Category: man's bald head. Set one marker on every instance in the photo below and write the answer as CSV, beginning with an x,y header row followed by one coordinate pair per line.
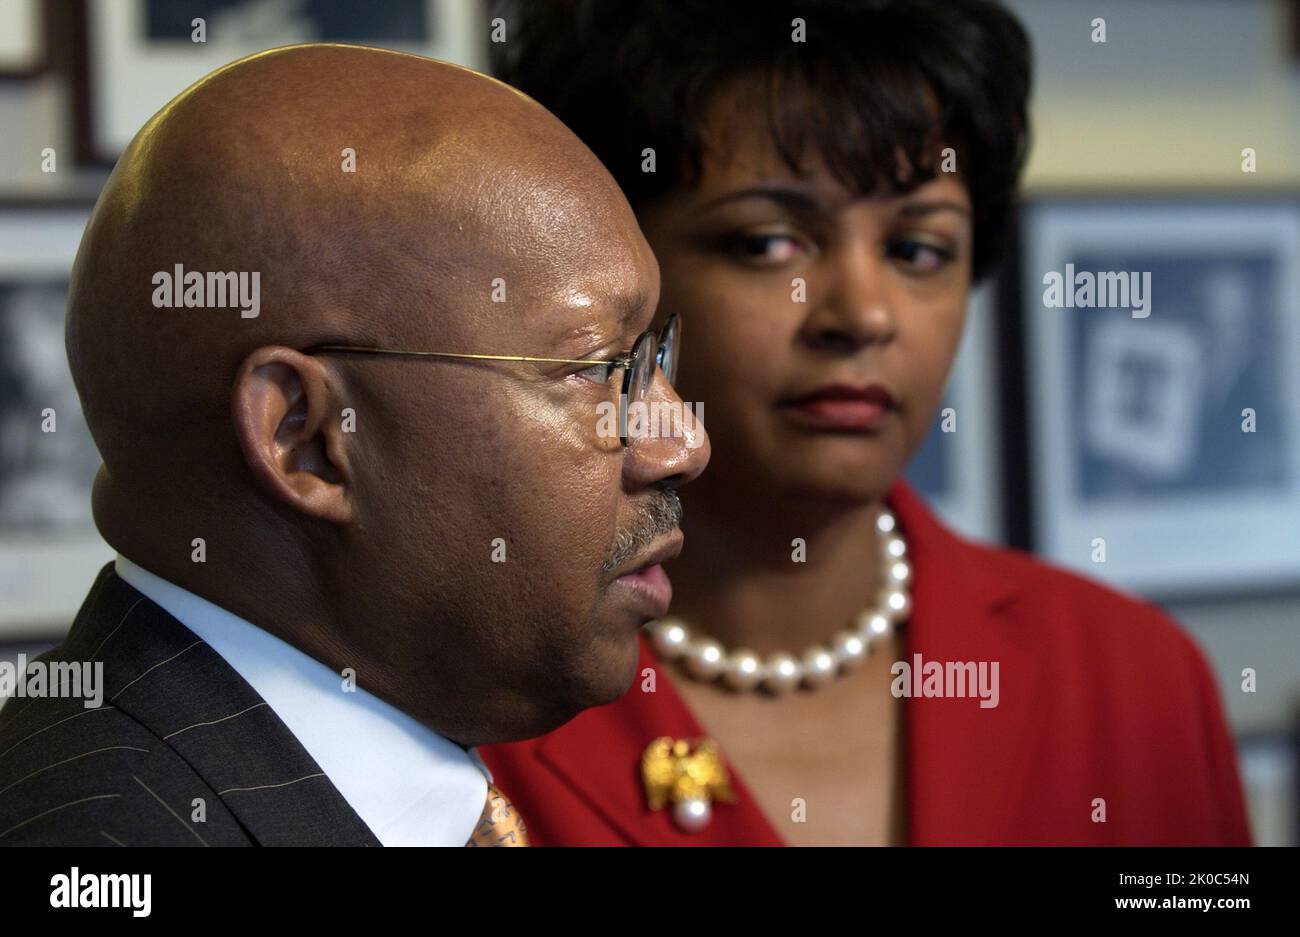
x,y
443,526
457,175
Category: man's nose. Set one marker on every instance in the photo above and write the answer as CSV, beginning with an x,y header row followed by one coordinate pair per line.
x,y
670,446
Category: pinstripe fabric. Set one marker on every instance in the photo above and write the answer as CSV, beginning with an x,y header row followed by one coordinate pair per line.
x,y
178,728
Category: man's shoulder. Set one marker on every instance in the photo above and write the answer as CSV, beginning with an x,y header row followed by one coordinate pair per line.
x,y
77,775
170,745
80,767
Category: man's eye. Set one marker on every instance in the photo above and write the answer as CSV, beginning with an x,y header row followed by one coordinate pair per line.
x,y
596,374
921,256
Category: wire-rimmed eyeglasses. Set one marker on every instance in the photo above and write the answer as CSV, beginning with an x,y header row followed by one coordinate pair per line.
x,y
649,351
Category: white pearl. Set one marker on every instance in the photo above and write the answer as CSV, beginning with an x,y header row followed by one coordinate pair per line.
x,y
899,604
781,674
819,666
873,626
895,548
692,815
704,660
743,669
885,522
850,649
900,573
670,638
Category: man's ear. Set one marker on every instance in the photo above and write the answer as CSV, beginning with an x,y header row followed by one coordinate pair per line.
x,y
288,417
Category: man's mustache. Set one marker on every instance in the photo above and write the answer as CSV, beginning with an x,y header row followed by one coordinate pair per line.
x,y
660,515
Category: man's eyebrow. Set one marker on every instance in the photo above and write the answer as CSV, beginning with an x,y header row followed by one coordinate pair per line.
x,y
630,306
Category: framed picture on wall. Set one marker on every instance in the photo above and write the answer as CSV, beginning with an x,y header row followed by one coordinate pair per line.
x,y
1163,344
22,39
142,53
49,549
957,469
1269,773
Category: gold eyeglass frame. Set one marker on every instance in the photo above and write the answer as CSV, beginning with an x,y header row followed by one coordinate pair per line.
x,y
664,343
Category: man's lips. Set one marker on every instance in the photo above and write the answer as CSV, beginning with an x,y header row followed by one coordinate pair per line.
x,y
646,583
842,407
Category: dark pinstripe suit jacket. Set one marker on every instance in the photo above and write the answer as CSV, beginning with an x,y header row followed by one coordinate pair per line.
x,y
177,726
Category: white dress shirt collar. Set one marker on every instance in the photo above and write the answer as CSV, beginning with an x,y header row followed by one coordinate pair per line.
x,y
411,786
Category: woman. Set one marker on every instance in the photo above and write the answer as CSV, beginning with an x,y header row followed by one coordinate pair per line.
x,y
821,192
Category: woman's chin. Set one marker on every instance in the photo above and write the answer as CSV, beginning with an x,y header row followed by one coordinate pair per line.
x,y
849,486
838,472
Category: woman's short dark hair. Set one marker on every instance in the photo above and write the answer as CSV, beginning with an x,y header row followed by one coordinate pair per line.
x,y
873,78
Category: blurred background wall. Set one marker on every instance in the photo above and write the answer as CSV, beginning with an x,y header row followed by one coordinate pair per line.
x,y
1161,110
1168,103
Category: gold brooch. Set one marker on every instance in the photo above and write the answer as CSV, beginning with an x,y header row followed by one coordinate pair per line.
x,y
688,779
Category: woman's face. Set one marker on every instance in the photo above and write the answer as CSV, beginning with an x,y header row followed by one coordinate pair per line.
x,y
819,327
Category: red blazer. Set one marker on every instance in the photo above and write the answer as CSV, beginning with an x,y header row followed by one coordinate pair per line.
x,y
1102,695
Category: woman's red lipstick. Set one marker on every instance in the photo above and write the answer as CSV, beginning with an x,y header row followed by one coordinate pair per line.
x,y
843,408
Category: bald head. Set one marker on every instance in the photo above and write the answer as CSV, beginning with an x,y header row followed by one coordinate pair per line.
x,y
443,526
456,176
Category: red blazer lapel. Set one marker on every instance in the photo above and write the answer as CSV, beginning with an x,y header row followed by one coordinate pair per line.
x,y
598,754
966,765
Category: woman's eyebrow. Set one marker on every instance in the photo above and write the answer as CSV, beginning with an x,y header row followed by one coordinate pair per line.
x,y
794,199
920,209
804,202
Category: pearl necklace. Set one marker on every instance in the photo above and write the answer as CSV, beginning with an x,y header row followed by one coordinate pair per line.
x,y
742,669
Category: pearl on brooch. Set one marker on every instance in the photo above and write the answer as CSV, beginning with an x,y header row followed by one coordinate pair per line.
x,y
692,815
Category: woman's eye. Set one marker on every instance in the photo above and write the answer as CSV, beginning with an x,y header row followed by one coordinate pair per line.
x,y
765,249
920,256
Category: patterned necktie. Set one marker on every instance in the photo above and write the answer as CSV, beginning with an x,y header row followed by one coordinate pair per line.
x,y
500,824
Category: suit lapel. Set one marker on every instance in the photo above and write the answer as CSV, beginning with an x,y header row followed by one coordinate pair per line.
x,y
161,674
